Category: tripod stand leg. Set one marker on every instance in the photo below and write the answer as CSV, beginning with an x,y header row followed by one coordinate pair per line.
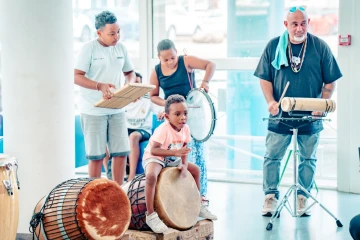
x,y
316,187
338,223
279,208
283,171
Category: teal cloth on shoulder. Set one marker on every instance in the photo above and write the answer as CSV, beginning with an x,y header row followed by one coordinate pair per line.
x,y
280,54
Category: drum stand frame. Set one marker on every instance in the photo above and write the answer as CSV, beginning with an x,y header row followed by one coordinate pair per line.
x,y
296,186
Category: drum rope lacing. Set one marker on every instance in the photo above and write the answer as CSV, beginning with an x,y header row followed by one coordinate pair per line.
x,y
57,195
137,219
34,222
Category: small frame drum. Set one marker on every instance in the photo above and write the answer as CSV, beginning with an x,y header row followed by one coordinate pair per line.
x,y
177,200
82,208
9,197
201,114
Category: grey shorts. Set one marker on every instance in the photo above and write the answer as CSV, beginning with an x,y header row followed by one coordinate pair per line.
x,y
162,163
102,131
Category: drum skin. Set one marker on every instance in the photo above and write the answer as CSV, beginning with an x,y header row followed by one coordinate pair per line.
x,y
201,114
9,205
308,104
102,211
177,200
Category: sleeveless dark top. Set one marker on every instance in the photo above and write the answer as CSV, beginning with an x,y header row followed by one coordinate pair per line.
x,y
176,83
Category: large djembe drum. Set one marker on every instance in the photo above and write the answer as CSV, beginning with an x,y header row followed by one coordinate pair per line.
x,y
9,197
177,200
82,208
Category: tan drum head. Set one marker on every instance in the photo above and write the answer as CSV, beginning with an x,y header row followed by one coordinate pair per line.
x,y
103,210
177,199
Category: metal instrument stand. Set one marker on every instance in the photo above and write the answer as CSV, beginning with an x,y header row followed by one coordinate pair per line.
x,y
296,186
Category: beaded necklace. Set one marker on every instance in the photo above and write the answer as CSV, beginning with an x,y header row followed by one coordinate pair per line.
x,y
296,67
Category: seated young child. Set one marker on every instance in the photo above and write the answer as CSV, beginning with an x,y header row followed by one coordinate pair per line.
x,y
168,148
139,124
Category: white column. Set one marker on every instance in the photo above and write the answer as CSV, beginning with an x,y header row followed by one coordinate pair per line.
x,y
145,31
37,86
348,100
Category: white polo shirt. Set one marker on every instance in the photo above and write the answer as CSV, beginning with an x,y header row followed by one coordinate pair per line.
x,y
103,65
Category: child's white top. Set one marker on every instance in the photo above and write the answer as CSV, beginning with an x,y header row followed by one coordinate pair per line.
x,y
139,114
103,65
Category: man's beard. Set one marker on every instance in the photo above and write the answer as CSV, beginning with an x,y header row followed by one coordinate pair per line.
x,y
299,39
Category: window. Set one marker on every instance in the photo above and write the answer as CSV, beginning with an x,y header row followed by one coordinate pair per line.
x,y
234,33
229,28
126,11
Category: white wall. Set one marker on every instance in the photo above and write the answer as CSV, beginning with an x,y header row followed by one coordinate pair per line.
x,y
349,99
37,86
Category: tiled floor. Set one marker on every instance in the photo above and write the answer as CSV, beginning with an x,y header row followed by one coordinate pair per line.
x,y
238,207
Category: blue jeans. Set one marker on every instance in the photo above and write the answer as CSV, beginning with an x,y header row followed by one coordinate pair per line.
x,y
276,145
197,156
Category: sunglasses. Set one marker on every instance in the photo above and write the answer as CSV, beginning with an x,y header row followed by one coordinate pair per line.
x,y
300,8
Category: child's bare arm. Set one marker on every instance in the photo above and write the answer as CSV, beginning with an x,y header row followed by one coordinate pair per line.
x,y
184,159
156,150
183,166
184,163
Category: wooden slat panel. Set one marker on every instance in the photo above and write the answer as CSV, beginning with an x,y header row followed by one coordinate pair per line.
x,y
125,95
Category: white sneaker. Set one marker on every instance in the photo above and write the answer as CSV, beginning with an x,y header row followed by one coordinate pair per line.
x,y
302,205
270,205
154,222
205,213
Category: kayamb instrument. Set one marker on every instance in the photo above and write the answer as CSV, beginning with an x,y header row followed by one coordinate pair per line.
x,y
125,95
